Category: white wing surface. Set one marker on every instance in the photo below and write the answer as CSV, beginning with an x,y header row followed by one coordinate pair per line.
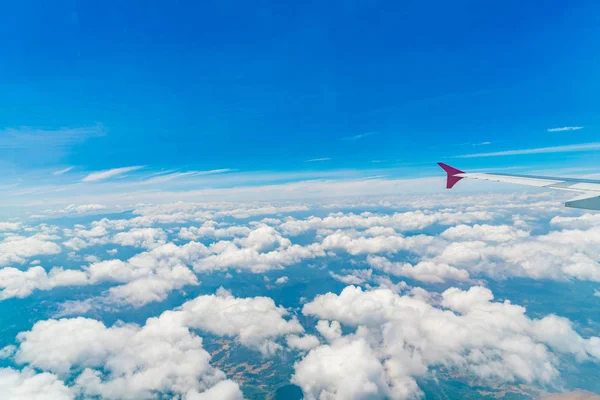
x,y
588,189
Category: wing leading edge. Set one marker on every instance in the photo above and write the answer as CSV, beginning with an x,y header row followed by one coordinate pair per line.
x,y
589,190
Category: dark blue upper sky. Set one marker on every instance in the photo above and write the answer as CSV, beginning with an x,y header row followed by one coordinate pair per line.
x,y
271,84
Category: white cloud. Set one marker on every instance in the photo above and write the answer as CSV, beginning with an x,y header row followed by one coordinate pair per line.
x,y
62,171
303,343
407,221
110,173
17,249
584,221
541,150
256,322
263,249
424,271
282,280
147,238
27,384
493,233
356,245
75,307
81,238
30,146
359,136
83,208
399,338
7,351
162,356
17,283
329,330
208,230
318,159
355,277
224,390
151,275
565,128
264,239
559,255
166,177
10,226
147,276
346,369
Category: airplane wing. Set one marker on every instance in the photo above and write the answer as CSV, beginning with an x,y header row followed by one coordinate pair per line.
x,y
588,189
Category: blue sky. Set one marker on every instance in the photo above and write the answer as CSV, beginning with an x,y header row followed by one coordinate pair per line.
x,y
203,86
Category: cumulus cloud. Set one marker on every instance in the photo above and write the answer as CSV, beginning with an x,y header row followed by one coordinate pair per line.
x,y
407,221
10,226
123,361
473,245
558,255
209,230
346,369
7,351
27,384
400,337
263,249
494,233
255,322
81,237
71,209
400,332
424,271
129,361
17,283
303,343
147,238
17,249
224,390
584,221
388,244
148,276
355,277
329,330
74,307
203,212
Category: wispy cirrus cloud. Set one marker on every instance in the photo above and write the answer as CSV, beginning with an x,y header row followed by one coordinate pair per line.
x,y
25,137
359,136
169,176
62,171
570,148
30,146
565,128
318,159
109,173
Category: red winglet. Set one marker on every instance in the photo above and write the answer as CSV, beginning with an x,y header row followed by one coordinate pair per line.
x,y
451,171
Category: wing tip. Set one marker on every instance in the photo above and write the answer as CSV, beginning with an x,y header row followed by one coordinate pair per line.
x,y
451,179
